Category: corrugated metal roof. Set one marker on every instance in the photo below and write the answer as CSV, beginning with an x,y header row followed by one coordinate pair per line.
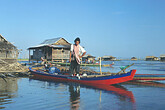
x,y
51,41
54,46
41,45
60,46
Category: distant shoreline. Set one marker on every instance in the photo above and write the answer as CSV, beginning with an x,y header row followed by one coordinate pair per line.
x,y
22,59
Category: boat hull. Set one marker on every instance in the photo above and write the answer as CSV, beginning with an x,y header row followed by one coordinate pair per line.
x,y
105,80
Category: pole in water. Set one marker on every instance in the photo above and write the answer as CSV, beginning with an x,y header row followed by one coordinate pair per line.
x,y
100,66
100,96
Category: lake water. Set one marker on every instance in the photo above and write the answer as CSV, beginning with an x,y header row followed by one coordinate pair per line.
x,y
30,94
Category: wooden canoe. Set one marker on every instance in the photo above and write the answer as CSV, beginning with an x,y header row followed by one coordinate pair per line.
x,y
94,79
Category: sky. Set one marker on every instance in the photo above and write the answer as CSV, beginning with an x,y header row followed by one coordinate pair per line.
x,y
121,28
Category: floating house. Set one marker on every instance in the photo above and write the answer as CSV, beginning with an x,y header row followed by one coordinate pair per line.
x,y
8,52
108,58
56,49
162,57
152,58
88,58
133,58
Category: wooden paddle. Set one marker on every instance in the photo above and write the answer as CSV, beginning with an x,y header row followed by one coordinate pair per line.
x,y
123,69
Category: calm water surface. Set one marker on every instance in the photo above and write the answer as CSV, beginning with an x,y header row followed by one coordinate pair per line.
x,y
30,94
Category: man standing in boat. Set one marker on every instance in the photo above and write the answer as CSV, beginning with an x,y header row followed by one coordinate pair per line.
x,y
76,53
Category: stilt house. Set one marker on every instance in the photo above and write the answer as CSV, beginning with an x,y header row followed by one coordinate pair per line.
x,y
133,58
8,52
162,57
56,49
108,58
88,58
151,58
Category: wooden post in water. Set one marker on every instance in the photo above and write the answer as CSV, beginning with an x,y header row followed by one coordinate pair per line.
x,y
29,56
52,55
100,66
100,96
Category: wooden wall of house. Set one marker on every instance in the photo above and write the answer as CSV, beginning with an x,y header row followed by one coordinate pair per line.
x,y
60,54
149,59
2,54
5,52
50,53
162,58
8,54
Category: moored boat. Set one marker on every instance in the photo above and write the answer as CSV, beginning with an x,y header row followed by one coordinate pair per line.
x,y
68,64
149,77
105,79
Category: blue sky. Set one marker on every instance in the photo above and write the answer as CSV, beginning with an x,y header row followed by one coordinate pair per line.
x,y
121,28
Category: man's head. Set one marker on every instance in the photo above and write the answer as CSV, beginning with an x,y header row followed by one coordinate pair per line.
x,y
77,41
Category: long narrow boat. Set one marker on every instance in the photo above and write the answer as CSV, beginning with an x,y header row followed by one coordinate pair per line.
x,y
68,64
149,77
91,79
83,64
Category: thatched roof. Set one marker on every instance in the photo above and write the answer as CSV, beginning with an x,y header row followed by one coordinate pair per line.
x,y
6,45
51,41
108,57
88,56
162,56
151,57
133,58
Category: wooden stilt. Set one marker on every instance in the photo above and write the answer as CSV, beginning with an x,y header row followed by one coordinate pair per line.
x,y
100,66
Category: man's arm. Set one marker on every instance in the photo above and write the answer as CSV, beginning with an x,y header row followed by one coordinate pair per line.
x,y
70,57
83,51
82,55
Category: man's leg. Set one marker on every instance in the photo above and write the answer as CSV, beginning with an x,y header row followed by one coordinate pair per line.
x,y
77,68
71,69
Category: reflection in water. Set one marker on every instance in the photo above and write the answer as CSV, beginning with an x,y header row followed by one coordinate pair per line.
x,y
122,94
146,83
118,90
7,90
74,96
